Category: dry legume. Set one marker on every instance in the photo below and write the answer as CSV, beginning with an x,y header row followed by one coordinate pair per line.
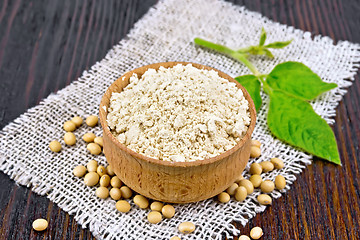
x,y
102,192
92,166
91,179
115,182
126,192
94,148
224,197
232,188
79,171
99,141
280,182
69,138
255,180
115,193
248,185
156,206
186,227
175,238
89,137
104,180
77,121
141,201
154,217
255,152
255,168
256,143
40,224
264,199
55,146
278,163
256,233
244,237
240,193
168,211
69,126
267,186
92,120
267,166
123,206
101,170
110,170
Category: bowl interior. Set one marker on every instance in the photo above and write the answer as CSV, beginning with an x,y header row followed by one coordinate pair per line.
x,y
121,82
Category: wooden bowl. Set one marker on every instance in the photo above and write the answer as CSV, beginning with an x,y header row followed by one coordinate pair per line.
x,y
174,182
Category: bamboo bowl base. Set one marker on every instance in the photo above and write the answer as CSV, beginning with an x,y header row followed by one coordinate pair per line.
x,y
174,182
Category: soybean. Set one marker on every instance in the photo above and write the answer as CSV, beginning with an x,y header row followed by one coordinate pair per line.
x,y
115,182
168,211
69,126
110,170
91,179
126,192
101,170
280,182
186,227
239,178
256,233
79,171
69,138
156,206
240,193
92,120
94,148
244,237
224,197
99,141
141,201
104,180
40,224
255,152
264,199
255,180
123,206
55,146
102,192
248,185
89,137
278,163
115,193
267,166
256,143
77,121
154,217
267,186
92,166
255,168
232,188
175,238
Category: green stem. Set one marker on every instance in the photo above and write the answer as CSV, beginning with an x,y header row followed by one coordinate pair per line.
x,y
238,55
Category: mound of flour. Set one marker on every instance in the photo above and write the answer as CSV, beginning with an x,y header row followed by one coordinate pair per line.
x,y
179,114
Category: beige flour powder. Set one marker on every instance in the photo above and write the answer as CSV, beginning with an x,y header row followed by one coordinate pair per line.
x,y
179,114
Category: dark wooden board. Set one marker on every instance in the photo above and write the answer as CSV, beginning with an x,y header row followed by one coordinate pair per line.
x,y
44,45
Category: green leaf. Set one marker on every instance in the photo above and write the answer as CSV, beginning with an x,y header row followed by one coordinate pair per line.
x,y
298,80
294,121
252,85
278,44
268,53
262,37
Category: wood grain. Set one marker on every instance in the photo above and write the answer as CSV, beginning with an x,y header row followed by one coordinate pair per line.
x,y
44,45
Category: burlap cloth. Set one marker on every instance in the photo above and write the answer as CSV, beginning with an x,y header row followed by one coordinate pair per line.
x,y
166,33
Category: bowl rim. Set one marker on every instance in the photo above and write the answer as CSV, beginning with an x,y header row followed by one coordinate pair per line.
x,y
140,71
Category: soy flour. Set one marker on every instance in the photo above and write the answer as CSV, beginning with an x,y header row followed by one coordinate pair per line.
x,y
179,114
